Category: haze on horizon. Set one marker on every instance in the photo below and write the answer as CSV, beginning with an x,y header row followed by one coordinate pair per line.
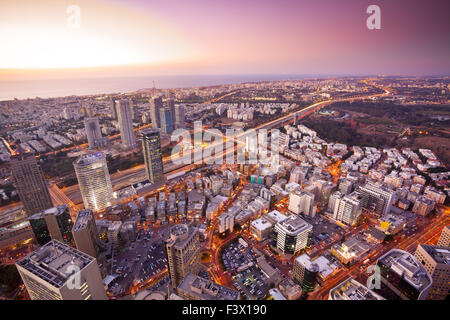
x,y
158,37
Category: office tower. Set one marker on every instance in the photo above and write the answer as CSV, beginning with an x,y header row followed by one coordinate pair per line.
x,y
183,252
301,201
444,239
305,271
194,287
291,235
348,208
403,277
351,289
151,147
436,261
165,116
170,104
376,198
30,183
113,108
93,133
54,223
47,274
93,180
85,233
125,118
155,106
179,117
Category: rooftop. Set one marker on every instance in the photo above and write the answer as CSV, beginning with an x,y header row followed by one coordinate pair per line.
x,y
439,254
294,225
83,217
89,158
408,267
53,261
351,289
206,289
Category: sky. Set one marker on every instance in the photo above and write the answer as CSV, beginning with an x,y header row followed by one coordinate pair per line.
x,y
182,37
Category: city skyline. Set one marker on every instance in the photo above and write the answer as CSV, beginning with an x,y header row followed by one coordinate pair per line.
x,y
222,38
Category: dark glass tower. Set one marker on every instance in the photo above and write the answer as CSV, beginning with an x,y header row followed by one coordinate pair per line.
x,y
151,147
30,182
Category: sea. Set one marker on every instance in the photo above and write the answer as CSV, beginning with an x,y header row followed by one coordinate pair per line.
x,y
51,88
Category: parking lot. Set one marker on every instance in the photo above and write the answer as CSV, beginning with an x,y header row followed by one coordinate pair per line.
x,y
137,262
237,258
248,279
251,283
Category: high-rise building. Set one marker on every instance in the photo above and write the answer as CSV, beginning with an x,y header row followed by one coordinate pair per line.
x,y
125,118
113,108
301,201
155,106
94,181
403,277
85,233
170,103
30,183
179,117
292,234
351,289
151,147
165,116
57,271
93,133
54,223
376,198
348,208
436,260
183,252
444,239
305,271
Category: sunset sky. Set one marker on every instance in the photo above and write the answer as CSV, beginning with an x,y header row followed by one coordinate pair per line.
x,y
132,37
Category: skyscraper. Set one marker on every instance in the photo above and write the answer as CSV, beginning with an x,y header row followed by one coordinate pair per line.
x,y
125,118
113,108
179,117
165,116
151,147
183,252
30,183
171,106
57,271
85,233
54,223
93,132
155,107
94,181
